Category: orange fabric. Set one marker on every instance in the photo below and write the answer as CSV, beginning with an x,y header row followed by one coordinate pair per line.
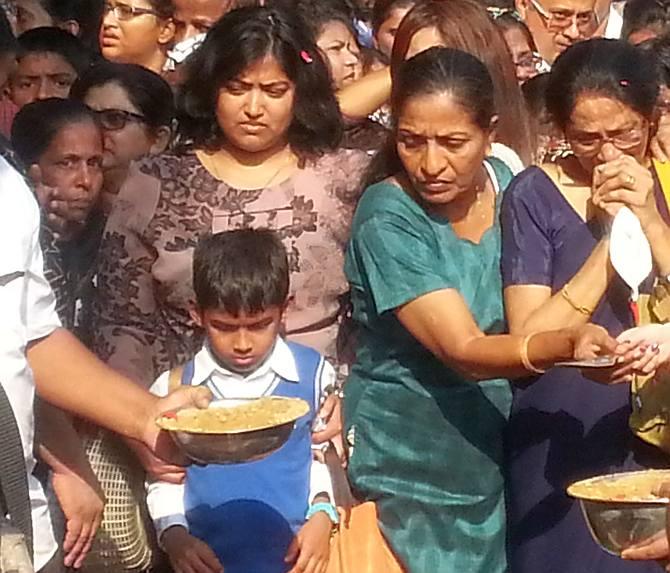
x,y
359,546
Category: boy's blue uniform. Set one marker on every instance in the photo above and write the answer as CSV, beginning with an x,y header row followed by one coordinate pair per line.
x,y
249,513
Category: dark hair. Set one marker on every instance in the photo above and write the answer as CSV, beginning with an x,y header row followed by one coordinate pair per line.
x,y
466,25
535,93
435,71
317,13
245,270
239,39
612,68
383,8
659,48
164,8
87,13
37,123
7,40
640,14
55,41
145,89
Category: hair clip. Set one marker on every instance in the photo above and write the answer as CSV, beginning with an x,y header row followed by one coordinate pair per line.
x,y
304,55
624,83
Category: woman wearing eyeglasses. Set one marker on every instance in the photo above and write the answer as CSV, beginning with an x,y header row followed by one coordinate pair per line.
x,y
137,32
135,108
557,273
527,62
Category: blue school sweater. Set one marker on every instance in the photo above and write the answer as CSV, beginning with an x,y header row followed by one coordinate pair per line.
x,y
248,513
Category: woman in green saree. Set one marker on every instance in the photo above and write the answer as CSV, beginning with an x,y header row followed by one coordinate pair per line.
x,y
427,398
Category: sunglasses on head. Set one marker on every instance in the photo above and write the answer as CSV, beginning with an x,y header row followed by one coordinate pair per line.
x,y
115,119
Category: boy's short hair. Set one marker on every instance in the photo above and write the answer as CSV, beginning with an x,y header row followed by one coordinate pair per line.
x,y
245,270
54,41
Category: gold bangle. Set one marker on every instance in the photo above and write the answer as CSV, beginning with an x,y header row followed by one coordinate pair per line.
x,y
586,311
527,364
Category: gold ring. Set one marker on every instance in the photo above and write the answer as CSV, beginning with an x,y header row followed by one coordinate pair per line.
x,y
630,180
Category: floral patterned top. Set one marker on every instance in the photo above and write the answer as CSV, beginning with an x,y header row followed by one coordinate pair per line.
x,y
141,325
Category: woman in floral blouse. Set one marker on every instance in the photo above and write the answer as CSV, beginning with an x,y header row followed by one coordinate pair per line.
x,y
264,127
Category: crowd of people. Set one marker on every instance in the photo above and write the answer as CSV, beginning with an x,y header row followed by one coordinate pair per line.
x,y
398,211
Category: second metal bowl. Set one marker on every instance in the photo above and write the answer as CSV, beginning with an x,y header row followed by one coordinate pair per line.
x,y
618,524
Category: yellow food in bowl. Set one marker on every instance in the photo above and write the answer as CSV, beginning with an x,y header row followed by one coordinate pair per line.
x,y
633,487
253,415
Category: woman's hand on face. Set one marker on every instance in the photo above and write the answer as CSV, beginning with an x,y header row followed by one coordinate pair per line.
x,y
624,181
67,210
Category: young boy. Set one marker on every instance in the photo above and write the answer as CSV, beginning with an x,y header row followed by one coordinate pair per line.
x,y
48,62
268,516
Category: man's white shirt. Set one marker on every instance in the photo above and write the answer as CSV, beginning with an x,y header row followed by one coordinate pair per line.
x,y
28,311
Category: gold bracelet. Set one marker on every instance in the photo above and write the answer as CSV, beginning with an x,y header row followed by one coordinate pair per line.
x,y
527,364
586,311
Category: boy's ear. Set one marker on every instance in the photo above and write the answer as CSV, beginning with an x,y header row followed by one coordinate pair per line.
x,y
196,315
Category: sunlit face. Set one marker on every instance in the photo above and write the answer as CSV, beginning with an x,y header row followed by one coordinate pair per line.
x,y
121,146
602,129
241,343
522,54
557,24
423,40
41,75
341,51
255,109
440,147
30,14
385,36
73,164
137,40
193,17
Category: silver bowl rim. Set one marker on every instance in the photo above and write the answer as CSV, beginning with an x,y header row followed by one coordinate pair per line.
x,y
657,501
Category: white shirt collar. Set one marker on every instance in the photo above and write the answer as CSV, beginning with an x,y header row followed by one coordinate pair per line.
x,y
280,361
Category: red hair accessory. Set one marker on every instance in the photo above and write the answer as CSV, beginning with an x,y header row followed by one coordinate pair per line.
x,y
624,83
304,54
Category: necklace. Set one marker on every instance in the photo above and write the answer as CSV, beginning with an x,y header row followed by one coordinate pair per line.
x,y
210,162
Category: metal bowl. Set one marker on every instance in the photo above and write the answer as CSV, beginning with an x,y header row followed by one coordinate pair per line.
x,y
618,524
232,447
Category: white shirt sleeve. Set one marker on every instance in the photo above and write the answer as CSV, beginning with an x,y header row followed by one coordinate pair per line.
x,y
165,501
320,480
41,317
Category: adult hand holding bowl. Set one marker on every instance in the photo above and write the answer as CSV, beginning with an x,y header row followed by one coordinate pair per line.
x,y
657,547
234,431
624,510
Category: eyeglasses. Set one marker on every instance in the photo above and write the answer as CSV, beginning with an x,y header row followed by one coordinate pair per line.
x,y
530,62
559,21
124,12
589,145
117,119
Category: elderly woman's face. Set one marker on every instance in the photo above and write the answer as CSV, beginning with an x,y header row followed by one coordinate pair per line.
x,y
73,163
255,109
602,129
440,146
